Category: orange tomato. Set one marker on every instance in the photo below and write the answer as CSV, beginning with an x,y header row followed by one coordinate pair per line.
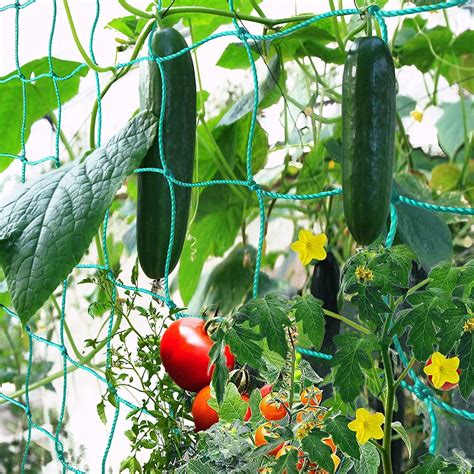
x,y
311,396
329,441
267,431
272,409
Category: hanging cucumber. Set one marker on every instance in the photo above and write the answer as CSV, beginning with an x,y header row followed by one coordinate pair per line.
x,y
325,286
179,134
368,123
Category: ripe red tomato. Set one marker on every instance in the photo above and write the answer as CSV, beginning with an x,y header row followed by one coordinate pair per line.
x,y
272,409
265,390
264,431
204,416
448,385
184,350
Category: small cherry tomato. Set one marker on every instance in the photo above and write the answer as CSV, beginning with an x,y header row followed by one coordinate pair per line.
x,y
265,390
448,385
285,449
184,351
267,430
310,414
204,416
272,409
311,396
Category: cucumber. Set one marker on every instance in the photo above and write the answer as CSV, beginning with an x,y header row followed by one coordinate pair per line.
x,y
368,137
179,135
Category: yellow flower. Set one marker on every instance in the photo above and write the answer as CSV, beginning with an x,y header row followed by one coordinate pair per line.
x,y
417,115
364,274
331,164
367,425
310,246
442,370
469,325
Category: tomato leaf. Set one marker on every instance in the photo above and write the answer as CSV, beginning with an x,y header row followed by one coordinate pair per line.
x,y
370,460
309,310
371,305
451,324
318,452
46,229
351,356
270,313
232,407
217,357
241,342
343,437
287,464
466,354
428,464
444,276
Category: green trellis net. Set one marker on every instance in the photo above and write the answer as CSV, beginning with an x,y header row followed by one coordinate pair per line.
x,y
419,389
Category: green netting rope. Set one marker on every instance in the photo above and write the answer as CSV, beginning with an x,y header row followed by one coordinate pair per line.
x,y
419,389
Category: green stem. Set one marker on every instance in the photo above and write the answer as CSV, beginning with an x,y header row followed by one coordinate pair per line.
x,y
62,136
319,118
293,369
412,290
98,246
467,141
347,321
390,398
336,27
405,372
12,346
405,140
140,40
135,11
257,8
72,368
84,55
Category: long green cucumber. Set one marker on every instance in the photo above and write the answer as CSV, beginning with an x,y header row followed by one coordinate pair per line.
x,y
179,135
368,136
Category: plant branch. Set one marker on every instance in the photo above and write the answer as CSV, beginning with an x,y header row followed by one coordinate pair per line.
x,y
405,372
347,321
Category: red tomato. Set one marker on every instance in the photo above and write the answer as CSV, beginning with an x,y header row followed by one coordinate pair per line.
x,y
204,416
184,353
311,396
448,385
265,390
265,431
272,409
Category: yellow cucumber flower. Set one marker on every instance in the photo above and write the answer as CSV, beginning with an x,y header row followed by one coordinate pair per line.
x,y
310,246
441,370
417,115
367,425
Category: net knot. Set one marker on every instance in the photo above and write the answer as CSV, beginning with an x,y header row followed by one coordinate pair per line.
x,y
168,174
253,186
170,303
422,391
53,75
64,351
28,413
21,76
242,32
373,10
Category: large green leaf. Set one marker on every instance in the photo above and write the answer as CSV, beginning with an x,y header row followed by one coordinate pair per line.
x,y
245,104
415,47
424,232
309,311
212,232
466,354
203,25
270,313
45,230
40,100
351,356
370,460
343,437
318,452
451,125
242,343
428,464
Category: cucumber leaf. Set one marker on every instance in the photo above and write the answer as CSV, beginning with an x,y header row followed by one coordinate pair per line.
x,y
46,229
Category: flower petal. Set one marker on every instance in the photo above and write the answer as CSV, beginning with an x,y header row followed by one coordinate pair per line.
x,y
363,436
438,379
320,239
431,369
355,425
375,432
452,363
438,359
305,235
362,414
318,253
298,246
305,257
451,376
378,418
